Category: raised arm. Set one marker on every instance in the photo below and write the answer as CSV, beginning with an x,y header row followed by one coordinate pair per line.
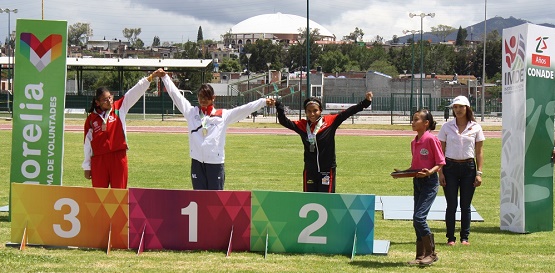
x,y
283,120
178,99
355,108
134,94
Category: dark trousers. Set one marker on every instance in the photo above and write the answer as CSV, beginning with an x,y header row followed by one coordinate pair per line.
x,y
314,181
207,176
459,176
425,191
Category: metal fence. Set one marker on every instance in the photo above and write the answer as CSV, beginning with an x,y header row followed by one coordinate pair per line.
x,y
155,104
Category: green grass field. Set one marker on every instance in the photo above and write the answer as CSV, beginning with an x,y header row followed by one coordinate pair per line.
x,y
274,162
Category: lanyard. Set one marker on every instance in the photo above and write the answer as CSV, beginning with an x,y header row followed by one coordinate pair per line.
x,y
204,121
312,134
105,116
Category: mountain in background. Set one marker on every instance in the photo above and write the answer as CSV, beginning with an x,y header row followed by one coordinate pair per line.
x,y
476,31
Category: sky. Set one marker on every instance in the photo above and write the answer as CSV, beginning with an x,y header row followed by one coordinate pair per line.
x,y
177,21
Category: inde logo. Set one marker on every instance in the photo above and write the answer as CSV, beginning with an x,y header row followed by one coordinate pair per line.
x,y
41,53
541,60
515,52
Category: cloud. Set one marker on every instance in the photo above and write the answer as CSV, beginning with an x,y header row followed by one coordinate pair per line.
x,y
178,21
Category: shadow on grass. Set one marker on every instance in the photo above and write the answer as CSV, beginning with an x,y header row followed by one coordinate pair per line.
x,y
376,264
492,230
4,218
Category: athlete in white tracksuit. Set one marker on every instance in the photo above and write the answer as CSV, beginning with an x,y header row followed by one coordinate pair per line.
x,y
207,130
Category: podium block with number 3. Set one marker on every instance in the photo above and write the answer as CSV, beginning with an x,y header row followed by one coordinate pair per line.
x,y
69,216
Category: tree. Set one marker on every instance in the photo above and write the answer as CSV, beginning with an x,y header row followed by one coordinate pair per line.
x,y
439,59
227,38
333,61
79,33
156,41
199,35
385,67
190,50
297,52
461,36
378,40
442,31
131,34
110,79
355,35
139,44
395,39
230,65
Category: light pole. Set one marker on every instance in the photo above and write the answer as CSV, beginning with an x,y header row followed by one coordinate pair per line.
x,y
9,51
483,103
301,42
248,70
308,90
268,83
422,15
412,72
269,77
405,80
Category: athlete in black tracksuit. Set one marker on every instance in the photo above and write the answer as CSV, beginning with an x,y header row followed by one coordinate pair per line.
x,y
319,141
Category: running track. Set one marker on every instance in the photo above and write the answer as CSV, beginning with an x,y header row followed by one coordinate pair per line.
x,y
260,131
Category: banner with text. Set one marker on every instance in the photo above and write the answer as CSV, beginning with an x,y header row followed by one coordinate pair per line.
x,y
527,143
39,99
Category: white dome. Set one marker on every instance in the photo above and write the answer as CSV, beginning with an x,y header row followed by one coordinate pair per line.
x,y
277,23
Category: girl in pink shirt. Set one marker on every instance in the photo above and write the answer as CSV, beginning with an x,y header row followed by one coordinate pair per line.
x,y
427,157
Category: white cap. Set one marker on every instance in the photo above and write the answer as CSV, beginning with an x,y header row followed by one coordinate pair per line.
x,y
460,100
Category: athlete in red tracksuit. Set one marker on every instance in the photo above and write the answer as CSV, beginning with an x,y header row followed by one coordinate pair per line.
x,y
318,136
105,144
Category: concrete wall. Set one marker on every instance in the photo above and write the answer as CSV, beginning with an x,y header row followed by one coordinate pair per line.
x,y
380,85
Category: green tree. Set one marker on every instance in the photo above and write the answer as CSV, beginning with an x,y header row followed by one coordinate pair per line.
x,y
442,31
131,34
493,55
230,65
111,80
227,38
333,61
190,50
395,39
461,36
156,41
297,53
263,52
355,35
139,44
439,59
199,34
79,33
385,67
463,61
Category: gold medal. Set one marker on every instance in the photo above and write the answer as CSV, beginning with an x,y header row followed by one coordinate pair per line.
x,y
204,131
103,126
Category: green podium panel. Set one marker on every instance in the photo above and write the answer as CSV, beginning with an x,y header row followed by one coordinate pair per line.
x,y
312,222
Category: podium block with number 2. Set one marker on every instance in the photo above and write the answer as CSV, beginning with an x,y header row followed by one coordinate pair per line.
x,y
312,222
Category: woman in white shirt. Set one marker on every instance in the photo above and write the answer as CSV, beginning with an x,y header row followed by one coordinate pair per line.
x,y
461,139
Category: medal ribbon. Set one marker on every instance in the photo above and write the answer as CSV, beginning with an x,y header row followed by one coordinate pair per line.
x,y
312,134
204,117
104,116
